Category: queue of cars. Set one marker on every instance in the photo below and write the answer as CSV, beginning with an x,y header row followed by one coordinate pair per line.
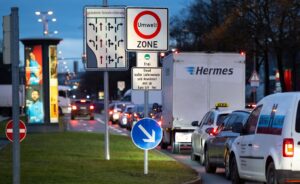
x,y
262,144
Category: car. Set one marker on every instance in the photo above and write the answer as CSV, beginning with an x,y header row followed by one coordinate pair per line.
x,y
115,109
126,116
82,108
268,149
217,148
212,119
138,114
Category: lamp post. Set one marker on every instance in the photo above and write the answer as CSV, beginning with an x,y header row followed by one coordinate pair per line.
x,y
44,18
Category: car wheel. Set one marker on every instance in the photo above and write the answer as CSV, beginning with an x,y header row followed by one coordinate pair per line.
x,y
235,177
72,117
209,168
92,118
227,168
271,174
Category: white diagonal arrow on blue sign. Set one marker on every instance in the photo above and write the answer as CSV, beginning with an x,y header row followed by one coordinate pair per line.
x,y
151,138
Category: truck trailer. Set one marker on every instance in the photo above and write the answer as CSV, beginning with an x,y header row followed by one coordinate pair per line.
x,y
192,84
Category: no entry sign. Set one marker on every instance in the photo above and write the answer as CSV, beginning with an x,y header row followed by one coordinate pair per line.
x,y
147,29
9,130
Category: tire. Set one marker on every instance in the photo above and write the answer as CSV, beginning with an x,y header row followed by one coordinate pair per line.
x,y
209,168
72,117
235,177
227,166
92,118
271,174
164,145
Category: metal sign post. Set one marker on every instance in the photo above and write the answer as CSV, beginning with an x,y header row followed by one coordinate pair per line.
x,y
146,134
14,27
146,94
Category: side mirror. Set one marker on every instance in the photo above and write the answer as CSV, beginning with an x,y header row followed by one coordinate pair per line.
x,y
238,128
195,123
211,131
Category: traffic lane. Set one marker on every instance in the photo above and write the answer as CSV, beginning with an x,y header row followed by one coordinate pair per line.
x,y
97,125
207,178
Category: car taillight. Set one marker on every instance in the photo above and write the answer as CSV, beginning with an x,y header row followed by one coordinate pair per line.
x,y
110,112
74,107
135,115
214,132
92,107
288,147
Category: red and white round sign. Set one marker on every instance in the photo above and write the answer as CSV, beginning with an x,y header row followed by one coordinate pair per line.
x,y
9,130
147,29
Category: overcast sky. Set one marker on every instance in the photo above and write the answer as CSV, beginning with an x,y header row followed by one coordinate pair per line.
x,y
69,15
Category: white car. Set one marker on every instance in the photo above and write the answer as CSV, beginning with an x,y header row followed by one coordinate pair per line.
x,y
268,149
211,120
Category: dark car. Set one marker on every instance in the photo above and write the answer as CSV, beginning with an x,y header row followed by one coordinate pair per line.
x,y
82,108
217,148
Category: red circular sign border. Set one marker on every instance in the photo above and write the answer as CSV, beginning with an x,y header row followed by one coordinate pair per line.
x,y
147,12
21,122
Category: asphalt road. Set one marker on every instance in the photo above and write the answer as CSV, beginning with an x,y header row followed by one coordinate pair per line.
x,y
98,125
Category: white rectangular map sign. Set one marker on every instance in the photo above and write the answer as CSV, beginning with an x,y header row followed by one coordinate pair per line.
x,y
146,78
104,38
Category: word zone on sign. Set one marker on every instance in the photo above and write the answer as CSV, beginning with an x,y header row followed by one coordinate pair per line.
x,y
106,39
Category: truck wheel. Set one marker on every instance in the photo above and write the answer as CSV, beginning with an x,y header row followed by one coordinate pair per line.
x,y
164,145
271,174
209,168
235,177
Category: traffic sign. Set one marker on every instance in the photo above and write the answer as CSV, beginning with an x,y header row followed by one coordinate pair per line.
x,y
104,39
146,59
254,79
9,130
146,78
146,134
147,29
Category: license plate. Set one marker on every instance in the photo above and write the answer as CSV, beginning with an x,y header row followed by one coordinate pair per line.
x,y
82,107
183,137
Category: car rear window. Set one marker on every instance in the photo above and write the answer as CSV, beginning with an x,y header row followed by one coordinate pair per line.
x,y
221,119
298,118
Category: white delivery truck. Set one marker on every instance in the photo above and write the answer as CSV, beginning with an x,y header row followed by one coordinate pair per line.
x,y
192,84
6,99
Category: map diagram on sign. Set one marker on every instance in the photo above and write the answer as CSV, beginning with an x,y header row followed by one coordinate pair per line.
x,y
105,38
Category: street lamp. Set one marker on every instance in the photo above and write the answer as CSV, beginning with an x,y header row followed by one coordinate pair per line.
x,y
44,18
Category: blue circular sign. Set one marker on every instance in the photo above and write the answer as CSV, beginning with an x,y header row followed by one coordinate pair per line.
x,y
146,134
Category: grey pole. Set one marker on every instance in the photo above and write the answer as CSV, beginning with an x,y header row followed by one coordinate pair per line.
x,y
14,27
106,98
146,94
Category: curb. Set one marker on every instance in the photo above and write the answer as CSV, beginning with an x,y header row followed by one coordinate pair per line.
x,y
198,180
